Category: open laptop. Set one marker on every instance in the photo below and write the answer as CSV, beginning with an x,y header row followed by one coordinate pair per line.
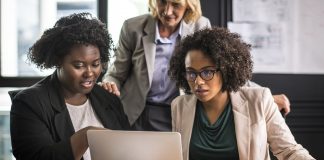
x,y
134,145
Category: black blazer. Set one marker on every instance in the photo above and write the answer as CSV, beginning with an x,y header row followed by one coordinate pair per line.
x,y
40,124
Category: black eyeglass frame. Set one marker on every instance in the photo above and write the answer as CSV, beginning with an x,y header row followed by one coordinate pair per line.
x,y
200,73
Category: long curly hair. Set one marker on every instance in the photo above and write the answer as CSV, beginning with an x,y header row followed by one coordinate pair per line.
x,y
76,29
227,50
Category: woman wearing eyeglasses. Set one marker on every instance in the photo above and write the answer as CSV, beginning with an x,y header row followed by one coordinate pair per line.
x,y
219,118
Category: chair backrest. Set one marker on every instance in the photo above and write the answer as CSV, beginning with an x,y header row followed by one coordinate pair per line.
x,y
13,93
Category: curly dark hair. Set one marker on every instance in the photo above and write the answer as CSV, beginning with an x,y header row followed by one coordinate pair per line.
x,y
227,50
75,29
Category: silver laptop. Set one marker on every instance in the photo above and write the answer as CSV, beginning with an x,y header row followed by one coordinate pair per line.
x,y
134,145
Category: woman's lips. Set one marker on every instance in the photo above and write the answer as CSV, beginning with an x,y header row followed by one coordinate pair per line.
x,y
87,84
201,92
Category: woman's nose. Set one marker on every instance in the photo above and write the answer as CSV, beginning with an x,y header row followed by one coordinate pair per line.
x,y
168,9
199,80
89,71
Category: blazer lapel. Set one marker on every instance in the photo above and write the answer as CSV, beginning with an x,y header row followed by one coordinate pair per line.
x,y
187,121
104,112
63,125
62,121
242,123
149,46
189,111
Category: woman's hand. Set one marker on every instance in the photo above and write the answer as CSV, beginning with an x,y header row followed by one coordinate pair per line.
x,y
283,103
110,87
79,141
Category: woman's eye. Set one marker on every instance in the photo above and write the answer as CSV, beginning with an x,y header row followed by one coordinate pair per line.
x,y
176,5
96,65
163,1
206,73
78,65
192,75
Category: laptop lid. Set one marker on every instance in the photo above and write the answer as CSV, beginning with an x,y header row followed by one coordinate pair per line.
x,y
134,145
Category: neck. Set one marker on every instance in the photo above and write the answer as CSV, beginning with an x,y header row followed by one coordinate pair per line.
x,y
166,31
74,99
215,107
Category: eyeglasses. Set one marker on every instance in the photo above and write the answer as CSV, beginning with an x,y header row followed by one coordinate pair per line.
x,y
206,74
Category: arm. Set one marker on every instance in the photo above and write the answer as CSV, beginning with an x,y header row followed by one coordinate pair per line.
x,y
202,22
79,141
280,99
279,137
118,72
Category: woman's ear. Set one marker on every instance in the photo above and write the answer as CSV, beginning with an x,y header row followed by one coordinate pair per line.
x,y
59,63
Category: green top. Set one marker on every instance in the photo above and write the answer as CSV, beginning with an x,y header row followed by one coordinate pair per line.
x,y
213,141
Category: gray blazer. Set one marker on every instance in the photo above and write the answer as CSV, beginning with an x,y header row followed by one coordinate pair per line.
x,y
133,68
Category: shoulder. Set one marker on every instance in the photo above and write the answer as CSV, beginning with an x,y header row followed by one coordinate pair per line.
x,y
201,23
104,96
203,20
183,101
191,27
257,101
141,18
35,92
139,22
32,100
255,93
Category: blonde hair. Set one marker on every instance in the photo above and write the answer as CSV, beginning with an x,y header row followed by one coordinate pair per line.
x,y
192,14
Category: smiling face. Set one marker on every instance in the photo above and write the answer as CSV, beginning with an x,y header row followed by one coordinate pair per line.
x,y
205,90
170,13
79,70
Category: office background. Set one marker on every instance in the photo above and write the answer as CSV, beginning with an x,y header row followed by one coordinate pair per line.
x,y
305,90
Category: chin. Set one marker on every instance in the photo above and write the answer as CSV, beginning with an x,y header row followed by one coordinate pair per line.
x,y
203,98
86,91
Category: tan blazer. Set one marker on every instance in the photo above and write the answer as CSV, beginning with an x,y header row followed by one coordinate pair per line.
x,y
133,68
258,124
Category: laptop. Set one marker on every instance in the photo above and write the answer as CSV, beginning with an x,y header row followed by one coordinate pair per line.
x,y
134,145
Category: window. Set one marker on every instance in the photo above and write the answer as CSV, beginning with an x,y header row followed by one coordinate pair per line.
x,y
5,143
117,15
23,22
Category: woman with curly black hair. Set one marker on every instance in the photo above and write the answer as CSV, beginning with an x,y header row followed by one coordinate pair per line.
x,y
219,118
49,120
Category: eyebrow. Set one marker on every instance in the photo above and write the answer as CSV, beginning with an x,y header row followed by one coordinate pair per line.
x,y
207,67
80,61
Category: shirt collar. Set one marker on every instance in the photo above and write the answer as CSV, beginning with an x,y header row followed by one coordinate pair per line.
x,y
170,39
